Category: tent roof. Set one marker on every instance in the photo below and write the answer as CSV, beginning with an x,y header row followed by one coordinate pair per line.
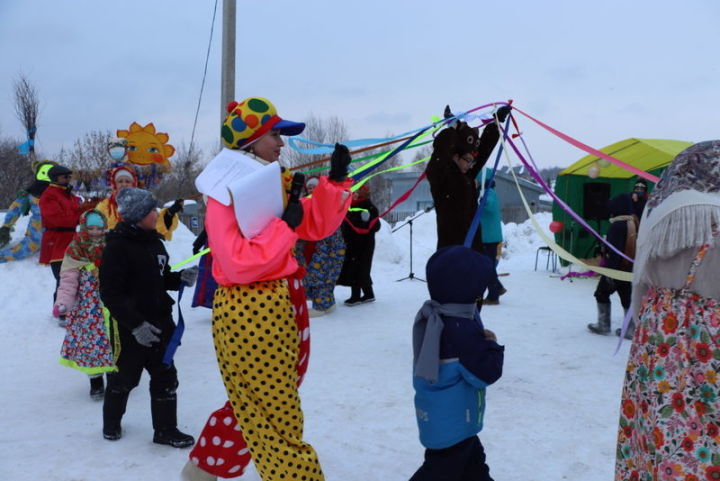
x,y
645,154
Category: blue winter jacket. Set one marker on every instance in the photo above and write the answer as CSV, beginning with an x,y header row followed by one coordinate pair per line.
x,y
452,409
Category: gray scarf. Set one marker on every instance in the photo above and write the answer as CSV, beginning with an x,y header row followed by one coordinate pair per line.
x,y
427,330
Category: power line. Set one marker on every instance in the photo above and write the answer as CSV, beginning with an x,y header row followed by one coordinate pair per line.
x,y
202,85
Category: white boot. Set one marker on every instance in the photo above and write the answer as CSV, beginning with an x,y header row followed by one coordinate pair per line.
x,y
190,472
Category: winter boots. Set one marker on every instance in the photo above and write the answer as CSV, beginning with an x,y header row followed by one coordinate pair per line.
x,y
164,415
354,297
97,388
369,295
113,410
629,332
603,324
173,437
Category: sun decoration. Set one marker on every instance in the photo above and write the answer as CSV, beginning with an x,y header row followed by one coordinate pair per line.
x,y
147,147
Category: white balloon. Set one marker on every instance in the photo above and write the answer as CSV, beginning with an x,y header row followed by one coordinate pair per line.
x,y
594,171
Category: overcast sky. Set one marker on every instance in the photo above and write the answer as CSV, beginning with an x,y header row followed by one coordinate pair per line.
x,y
600,71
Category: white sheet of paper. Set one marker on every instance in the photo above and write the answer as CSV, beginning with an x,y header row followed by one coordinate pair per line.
x,y
223,169
257,198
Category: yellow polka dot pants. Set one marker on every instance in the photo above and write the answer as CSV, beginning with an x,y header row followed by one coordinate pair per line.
x,y
256,343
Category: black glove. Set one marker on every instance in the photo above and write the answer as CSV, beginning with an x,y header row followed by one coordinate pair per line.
x,y
4,235
447,113
502,113
293,214
339,162
200,242
176,207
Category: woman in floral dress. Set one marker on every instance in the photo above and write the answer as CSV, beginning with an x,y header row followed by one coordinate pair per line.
x,y
670,407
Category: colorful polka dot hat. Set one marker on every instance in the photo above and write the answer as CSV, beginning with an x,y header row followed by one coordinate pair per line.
x,y
252,118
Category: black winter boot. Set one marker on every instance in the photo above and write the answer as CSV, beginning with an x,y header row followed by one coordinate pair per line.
x,y
603,324
164,415
354,297
629,332
173,437
369,294
97,388
113,410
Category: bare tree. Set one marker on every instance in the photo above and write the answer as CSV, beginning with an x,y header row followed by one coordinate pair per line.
x,y
180,182
27,106
89,160
325,131
15,174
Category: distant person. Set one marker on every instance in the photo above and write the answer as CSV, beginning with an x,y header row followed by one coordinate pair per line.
x,y
454,360
491,231
60,211
639,197
87,346
125,176
322,261
459,153
134,279
670,406
359,230
622,235
26,203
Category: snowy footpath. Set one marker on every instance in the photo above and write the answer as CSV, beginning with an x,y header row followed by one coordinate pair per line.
x,y
552,416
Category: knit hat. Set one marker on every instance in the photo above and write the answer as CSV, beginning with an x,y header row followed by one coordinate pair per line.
x,y
94,219
134,204
56,171
252,118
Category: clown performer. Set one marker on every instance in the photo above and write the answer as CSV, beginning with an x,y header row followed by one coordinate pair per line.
x,y
254,331
125,175
27,202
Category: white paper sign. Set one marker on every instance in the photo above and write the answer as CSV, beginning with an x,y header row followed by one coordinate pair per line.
x,y
226,167
257,199
255,190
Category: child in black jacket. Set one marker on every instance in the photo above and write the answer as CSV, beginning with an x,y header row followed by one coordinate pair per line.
x,y
134,277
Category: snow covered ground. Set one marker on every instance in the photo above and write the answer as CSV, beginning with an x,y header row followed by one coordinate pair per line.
x,y
553,415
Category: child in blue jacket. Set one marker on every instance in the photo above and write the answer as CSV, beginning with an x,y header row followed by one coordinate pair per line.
x,y
455,359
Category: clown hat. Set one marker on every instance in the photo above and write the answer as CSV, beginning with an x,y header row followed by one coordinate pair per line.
x,y
252,118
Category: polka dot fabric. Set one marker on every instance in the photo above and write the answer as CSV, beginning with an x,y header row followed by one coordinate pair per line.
x,y
221,449
257,346
248,121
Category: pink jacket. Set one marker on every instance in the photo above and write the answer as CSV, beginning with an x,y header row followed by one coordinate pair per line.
x,y
269,256
67,290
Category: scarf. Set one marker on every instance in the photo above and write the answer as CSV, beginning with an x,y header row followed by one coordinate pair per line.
x,y
683,208
427,331
84,249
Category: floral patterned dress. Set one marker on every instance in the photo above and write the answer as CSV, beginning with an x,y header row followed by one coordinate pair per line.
x,y
322,269
670,410
87,344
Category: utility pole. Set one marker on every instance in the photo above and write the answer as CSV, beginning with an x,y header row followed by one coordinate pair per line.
x,y
227,82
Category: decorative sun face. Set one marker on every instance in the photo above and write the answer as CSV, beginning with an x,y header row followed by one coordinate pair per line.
x,y
145,146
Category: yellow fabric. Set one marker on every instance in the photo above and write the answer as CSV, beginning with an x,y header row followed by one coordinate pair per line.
x,y
112,219
645,154
256,343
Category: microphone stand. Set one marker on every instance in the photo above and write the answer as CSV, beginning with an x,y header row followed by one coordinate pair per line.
x,y
409,222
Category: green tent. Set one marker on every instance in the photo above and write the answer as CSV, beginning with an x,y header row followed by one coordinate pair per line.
x,y
588,197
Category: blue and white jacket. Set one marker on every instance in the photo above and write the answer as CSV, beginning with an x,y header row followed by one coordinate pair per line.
x,y
451,409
